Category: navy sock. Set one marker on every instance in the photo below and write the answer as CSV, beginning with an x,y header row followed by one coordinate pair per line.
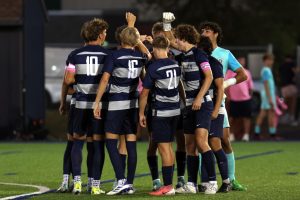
x,y
90,157
99,157
111,145
76,157
167,173
204,175
222,163
67,165
132,160
192,168
153,166
123,160
209,163
181,162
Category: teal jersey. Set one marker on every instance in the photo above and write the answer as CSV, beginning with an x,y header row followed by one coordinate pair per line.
x,y
266,75
226,58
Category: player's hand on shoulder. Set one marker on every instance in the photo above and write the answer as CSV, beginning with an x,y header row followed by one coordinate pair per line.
x,y
149,39
131,19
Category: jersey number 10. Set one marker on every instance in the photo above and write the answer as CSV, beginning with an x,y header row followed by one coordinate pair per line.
x,y
173,81
92,65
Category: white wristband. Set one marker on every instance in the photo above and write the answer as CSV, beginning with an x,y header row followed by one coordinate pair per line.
x,y
167,26
229,82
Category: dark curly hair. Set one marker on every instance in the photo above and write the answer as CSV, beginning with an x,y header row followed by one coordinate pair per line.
x,y
187,32
214,27
205,44
93,28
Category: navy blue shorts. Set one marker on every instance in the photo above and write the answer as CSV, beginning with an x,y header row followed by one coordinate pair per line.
x,y
216,127
121,121
197,119
164,129
86,124
70,127
149,119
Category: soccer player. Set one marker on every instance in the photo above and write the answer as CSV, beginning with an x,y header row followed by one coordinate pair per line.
x,y
157,30
197,78
226,58
123,69
163,76
268,97
84,69
216,128
67,163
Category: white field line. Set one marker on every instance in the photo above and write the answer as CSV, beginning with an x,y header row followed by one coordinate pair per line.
x,y
41,189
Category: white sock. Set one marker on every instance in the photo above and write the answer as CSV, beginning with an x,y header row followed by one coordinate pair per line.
x,y
77,178
90,180
96,183
66,178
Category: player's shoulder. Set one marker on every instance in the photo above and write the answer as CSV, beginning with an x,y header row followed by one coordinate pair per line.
x,y
222,50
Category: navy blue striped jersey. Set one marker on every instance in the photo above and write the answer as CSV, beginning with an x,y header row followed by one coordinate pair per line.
x,y
87,63
124,66
162,77
217,71
193,64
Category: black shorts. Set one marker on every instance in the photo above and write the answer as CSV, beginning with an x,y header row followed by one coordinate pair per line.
x,y
70,127
197,119
122,121
164,129
240,108
86,124
216,127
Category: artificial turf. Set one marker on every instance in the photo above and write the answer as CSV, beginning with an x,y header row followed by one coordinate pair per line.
x,y
270,170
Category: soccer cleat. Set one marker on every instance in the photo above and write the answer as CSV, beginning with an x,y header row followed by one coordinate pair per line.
x,y
237,186
130,190
77,187
121,187
180,182
164,190
96,191
63,188
188,188
156,184
225,187
202,187
211,188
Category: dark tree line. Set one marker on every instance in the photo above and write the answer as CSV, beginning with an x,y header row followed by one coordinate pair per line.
x,y
244,22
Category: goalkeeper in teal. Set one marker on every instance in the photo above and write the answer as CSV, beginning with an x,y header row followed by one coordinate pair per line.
x,y
268,97
214,32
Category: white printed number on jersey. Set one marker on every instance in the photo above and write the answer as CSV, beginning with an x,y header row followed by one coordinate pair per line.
x,y
92,65
133,72
172,75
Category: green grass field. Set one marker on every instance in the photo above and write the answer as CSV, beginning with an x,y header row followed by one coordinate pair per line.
x,y
270,170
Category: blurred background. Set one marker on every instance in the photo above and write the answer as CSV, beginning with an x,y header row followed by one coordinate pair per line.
x,y
37,35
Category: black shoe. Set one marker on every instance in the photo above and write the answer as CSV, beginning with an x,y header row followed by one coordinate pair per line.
x,y
201,188
225,187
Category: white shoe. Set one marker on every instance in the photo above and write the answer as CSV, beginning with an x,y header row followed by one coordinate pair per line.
x,y
120,187
188,188
246,137
130,190
211,188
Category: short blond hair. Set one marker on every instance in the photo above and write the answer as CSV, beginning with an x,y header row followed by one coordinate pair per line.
x,y
130,36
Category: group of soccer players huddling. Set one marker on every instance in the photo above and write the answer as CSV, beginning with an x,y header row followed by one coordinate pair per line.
x,y
182,96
